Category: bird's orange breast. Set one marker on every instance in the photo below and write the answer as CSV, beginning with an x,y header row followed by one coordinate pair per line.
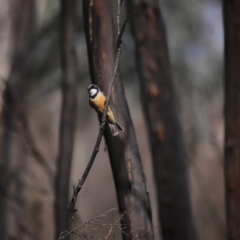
x,y
98,103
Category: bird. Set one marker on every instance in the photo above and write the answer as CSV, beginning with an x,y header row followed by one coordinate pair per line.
x,y
97,100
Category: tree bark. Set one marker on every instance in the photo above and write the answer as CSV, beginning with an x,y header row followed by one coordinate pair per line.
x,y
158,98
232,117
124,155
13,110
68,113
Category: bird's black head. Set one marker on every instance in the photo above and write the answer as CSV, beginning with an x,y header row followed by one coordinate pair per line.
x,y
93,90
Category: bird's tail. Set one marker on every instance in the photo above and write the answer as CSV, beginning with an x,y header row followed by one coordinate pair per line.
x,y
115,129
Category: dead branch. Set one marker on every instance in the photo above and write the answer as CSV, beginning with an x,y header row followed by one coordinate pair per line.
x,y
82,229
149,231
93,221
109,233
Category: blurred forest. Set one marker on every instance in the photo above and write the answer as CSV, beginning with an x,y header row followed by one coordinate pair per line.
x,y
32,85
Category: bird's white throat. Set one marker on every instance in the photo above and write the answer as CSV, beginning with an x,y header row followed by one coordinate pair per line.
x,y
93,92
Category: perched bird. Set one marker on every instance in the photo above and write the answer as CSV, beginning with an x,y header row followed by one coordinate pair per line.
x,y
97,100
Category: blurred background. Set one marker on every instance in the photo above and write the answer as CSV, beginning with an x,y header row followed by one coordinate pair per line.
x,y
195,40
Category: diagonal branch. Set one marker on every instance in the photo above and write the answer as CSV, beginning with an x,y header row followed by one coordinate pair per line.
x,y
119,39
98,142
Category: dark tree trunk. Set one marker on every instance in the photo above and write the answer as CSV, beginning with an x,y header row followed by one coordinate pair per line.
x,y
13,100
123,150
68,113
232,116
168,154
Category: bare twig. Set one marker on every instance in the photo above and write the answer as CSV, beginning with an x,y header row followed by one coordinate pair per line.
x,y
109,233
119,40
95,150
91,221
118,15
82,229
151,230
99,138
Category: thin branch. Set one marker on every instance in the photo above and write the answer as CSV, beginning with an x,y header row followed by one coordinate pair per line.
x,y
109,233
151,230
96,218
119,40
118,16
99,138
95,150
81,230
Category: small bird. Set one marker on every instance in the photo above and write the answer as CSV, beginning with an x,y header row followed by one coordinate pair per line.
x,y
97,100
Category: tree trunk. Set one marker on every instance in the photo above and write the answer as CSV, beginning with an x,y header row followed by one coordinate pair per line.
x,y
68,113
158,97
232,117
124,155
11,145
